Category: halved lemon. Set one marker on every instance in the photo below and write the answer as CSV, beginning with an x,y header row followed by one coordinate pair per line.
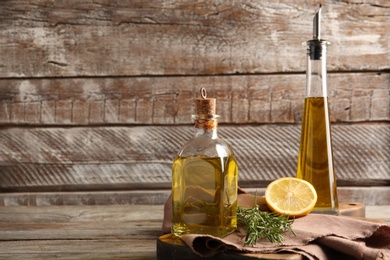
x,y
291,196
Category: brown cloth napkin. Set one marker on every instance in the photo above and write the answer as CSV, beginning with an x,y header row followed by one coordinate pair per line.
x,y
317,237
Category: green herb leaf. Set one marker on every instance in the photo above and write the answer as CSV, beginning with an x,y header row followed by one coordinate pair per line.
x,y
260,224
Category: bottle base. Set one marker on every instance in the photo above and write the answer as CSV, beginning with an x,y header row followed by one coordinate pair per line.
x,y
326,211
180,230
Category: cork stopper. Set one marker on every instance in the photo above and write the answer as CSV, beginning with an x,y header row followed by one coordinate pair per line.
x,y
204,105
205,117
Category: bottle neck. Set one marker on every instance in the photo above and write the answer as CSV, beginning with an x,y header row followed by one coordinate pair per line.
x,y
316,85
206,125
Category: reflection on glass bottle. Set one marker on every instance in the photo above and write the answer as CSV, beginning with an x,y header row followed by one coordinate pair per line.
x,y
315,159
204,179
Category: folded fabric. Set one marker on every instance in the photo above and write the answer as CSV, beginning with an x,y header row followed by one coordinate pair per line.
x,y
316,237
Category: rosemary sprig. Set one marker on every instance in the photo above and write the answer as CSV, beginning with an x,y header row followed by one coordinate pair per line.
x,y
259,224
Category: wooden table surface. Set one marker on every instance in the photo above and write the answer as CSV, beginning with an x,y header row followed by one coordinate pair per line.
x,y
91,232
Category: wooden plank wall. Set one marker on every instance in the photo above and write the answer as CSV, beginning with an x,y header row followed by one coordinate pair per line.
x,y
97,73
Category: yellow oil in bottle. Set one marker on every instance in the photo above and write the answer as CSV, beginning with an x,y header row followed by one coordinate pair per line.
x,y
315,160
204,195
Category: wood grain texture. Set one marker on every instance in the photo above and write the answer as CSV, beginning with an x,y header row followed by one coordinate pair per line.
x,y
102,158
90,232
105,38
90,89
118,232
69,249
378,195
69,221
354,97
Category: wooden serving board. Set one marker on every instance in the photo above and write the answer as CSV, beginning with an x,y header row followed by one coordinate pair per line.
x,y
172,247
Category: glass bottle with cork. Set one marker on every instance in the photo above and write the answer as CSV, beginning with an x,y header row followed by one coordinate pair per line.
x,y
204,179
315,158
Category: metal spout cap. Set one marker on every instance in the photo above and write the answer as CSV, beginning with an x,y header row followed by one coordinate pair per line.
x,y
316,48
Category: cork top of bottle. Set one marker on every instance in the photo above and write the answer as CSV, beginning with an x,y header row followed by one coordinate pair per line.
x,y
204,105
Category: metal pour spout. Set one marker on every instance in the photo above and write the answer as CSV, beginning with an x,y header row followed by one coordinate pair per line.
x,y
317,24
316,47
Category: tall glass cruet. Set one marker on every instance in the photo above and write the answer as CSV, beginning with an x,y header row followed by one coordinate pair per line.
x,y
315,158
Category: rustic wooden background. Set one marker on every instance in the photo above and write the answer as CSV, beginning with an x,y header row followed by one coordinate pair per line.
x,y
96,96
